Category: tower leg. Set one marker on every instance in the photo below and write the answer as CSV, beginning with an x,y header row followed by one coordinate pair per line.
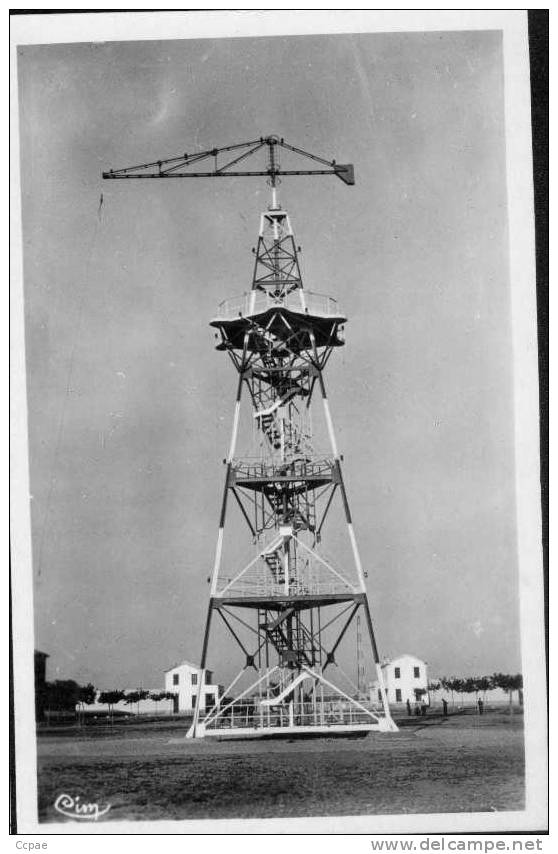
x,y
193,731
354,546
333,442
232,447
379,671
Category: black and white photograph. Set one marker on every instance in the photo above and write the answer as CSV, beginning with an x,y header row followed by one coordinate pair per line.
x,y
276,510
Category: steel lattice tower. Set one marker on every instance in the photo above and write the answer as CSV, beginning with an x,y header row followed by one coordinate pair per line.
x,y
288,596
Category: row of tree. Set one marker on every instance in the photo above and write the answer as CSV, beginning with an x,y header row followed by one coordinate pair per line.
x,y
480,685
110,698
65,695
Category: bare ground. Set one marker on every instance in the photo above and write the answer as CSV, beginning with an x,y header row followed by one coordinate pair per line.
x,y
148,772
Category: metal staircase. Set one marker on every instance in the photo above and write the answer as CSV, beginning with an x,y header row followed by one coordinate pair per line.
x,y
275,564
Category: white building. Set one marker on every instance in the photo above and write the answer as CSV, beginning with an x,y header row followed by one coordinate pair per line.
x,y
182,680
405,678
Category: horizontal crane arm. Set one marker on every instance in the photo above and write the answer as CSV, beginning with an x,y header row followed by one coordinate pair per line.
x,y
344,172
179,167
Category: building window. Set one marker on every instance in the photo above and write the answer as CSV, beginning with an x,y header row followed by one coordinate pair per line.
x,y
194,678
397,672
175,678
208,675
193,701
417,672
398,695
209,701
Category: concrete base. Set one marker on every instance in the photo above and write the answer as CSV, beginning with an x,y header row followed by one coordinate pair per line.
x,y
383,725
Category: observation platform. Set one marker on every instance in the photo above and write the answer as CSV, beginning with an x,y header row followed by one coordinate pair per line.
x,y
289,318
273,600
298,475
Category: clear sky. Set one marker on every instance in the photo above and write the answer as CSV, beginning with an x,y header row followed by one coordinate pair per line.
x,y
129,404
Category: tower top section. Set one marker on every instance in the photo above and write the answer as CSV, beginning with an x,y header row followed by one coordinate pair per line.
x,y
278,308
277,281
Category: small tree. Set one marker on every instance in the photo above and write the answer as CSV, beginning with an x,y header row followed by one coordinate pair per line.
x,y
143,695
471,686
157,696
170,695
109,698
520,689
484,684
509,684
62,695
434,687
447,685
86,696
515,683
136,697
458,685
162,695
131,697
500,680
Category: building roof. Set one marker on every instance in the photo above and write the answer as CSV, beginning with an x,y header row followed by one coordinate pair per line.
x,y
403,655
185,663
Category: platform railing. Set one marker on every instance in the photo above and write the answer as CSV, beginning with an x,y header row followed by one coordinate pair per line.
x,y
271,589
254,715
254,467
256,302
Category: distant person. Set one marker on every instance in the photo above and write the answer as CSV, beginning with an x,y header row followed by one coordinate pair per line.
x,y
417,709
409,712
423,708
480,704
444,707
